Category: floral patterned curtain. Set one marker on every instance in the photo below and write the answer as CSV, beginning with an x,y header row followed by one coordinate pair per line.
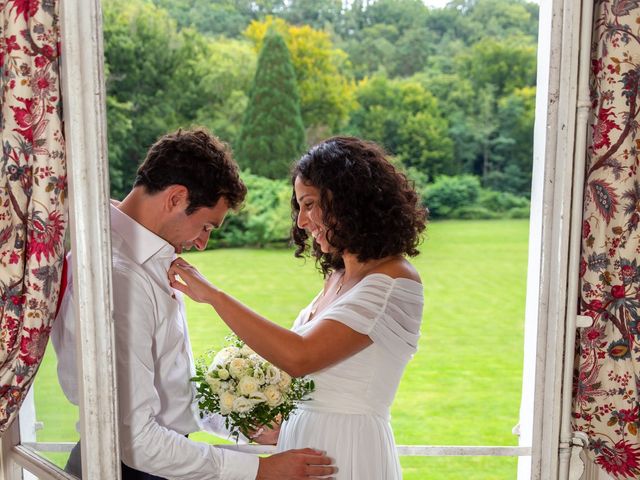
x,y
32,192
607,382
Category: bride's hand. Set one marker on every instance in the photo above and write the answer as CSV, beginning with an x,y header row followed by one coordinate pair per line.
x,y
187,279
265,435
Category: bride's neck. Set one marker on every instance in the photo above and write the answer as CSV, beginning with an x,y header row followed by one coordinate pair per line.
x,y
354,269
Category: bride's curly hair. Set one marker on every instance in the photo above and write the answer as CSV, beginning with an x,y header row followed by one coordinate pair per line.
x,y
369,208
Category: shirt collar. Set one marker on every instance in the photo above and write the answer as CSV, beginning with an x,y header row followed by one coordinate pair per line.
x,y
143,243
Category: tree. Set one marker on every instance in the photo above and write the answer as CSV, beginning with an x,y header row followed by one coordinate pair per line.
x,y
272,134
405,118
141,55
322,71
374,49
220,17
514,157
315,13
503,19
159,79
505,64
458,99
216,76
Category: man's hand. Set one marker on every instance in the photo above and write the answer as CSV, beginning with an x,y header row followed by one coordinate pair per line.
x,y
295,465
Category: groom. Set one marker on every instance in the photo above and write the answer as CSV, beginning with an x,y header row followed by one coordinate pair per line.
x,y
183,191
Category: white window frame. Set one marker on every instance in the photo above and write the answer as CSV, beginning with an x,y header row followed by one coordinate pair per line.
x,y
554,251
546,443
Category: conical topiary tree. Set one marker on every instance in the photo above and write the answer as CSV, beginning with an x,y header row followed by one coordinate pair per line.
x,y
272,134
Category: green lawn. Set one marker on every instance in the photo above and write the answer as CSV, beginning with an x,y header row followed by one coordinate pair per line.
x,y
462,388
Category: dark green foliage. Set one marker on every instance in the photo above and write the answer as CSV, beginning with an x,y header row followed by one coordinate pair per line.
x,y
272,134
159,79
447,194
473,212
501,201
316,13
463,198
519,212
406,119
219,17
265,219
140,55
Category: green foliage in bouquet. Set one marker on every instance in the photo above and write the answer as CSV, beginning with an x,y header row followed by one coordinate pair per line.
x,y
246,389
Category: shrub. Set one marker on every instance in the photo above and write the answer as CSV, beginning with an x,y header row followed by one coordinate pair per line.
x,y
473,212
519,212
447,194
265,218
501,201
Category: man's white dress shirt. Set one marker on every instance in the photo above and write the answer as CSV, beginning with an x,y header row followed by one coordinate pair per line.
x,y
153,364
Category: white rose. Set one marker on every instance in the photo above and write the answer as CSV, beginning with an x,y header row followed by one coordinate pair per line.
x,y
225,387
285,381
247,385
258,374
258,397
238,367
223,373
214,383
242,405
246,351
224,355
227,400
272,374
274,397
256,359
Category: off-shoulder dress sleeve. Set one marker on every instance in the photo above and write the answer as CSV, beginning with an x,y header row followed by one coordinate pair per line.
x,y
388,310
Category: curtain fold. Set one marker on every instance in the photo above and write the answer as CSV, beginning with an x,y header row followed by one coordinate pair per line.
x,y
607,380
33,190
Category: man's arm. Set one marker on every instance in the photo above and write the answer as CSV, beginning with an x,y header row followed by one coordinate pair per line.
x,y
215,424
145,444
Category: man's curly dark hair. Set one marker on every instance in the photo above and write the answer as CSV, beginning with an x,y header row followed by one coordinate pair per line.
x,y
197,160
369,208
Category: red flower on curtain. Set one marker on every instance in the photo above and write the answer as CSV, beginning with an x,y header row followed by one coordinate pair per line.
x,y
26,8
602,128
33,193
45,235
33,343
607,381
622,460
11,44
24,118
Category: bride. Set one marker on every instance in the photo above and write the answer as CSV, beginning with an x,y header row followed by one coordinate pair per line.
x,y
357,335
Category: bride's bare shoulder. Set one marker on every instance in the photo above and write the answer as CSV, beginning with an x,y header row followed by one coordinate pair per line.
x,y
399,268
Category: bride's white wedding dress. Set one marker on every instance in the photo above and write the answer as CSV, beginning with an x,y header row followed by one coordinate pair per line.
x,y
348,416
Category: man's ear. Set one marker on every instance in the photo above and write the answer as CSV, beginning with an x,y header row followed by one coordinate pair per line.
x,y
176,198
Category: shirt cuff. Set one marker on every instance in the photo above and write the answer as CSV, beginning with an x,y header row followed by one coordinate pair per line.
x,y
239,466
214,423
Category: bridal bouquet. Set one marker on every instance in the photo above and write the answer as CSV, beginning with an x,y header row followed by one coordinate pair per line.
x,y
246,389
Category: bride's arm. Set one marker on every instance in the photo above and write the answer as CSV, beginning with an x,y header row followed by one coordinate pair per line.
x,y
328,342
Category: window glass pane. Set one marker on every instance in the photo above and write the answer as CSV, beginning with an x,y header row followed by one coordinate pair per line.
x,y
58,417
